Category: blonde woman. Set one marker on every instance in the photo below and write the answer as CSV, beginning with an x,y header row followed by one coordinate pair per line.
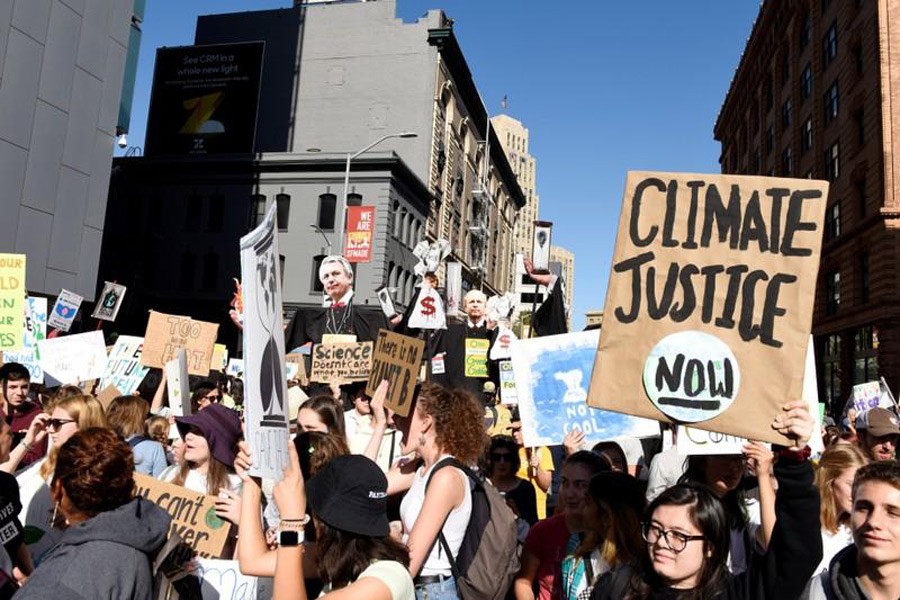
x,y
834,478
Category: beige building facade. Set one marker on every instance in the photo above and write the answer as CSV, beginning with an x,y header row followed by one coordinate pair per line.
x,y
566,260
514,139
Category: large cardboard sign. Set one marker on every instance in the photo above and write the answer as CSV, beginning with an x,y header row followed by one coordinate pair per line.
x,y
74,358
398,359
341,363
193,515
360,225
265,380
693,441
35,331
65,310
710,299
12,301
124,369
552,374
110,301
167,333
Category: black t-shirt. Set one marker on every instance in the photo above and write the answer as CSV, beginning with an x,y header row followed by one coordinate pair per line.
x,y
11,530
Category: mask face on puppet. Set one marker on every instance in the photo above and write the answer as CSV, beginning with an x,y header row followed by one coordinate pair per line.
x,y
475,308
335,280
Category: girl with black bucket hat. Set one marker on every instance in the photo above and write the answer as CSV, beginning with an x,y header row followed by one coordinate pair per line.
x,y
356,555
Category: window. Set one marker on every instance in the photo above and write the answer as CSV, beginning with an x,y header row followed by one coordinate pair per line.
x,y
354,199
327,205
832,292
831,361
770,93
785,68
787,110
787,162
806,32
833,222
864,278
806,136
861,198
829,45
865,355
770,139
806,83
281,262
832,162
257,210
858,63
282,210
316,284
193,212
831,103
859,120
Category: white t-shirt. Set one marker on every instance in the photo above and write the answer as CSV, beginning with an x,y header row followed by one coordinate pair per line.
x,y
832,543
454,528
392,574
196,482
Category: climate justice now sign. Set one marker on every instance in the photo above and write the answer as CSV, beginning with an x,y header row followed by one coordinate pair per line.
x,y
710,299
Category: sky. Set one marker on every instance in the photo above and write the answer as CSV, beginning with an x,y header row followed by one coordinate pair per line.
x,y
604,87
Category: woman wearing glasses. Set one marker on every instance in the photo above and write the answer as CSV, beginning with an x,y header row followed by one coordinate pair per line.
x,y
687,534
503,464
67,416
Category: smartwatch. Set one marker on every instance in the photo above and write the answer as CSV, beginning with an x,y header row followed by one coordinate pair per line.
x,y
290,538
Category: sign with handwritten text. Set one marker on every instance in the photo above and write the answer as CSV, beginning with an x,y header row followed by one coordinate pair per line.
x,y
167,333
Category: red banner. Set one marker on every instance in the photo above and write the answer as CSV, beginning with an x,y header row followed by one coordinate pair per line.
x,y
360,222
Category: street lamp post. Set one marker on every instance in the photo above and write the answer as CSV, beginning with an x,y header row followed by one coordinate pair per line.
x,y
350,156
324,237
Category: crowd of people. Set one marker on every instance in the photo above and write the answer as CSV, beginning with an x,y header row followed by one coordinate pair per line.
x,y
445,502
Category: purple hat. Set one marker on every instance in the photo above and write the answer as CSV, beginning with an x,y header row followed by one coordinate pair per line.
x,y
221,427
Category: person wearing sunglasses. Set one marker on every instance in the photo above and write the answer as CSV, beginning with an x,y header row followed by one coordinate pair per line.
x,y
503,463
687,534
68,415
205,394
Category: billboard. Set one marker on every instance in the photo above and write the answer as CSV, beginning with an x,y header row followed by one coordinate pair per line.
x,y
204,99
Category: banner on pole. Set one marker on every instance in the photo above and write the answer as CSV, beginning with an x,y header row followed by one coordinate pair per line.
x,y
360,225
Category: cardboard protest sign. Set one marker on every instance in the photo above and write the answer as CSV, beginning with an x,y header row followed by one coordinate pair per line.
x,y
193,515
691,441
35,331
508,393
110,300
428,312
299,367
398,359
74,358
476,357
12,301
124,369
219,358
222,579
106,396
552,373
341,363
265,380
65,310
178,384
710,299
167,333
360,224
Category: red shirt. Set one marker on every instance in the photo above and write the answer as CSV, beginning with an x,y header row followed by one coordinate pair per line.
x,y
19,421
547,542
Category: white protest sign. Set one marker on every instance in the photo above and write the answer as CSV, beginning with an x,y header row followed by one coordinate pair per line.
x,y
35,331
235,367
508,393
428,312
110,300
223,580
74,358
811,395
64,310
265,381
124,369
177,384
387,305
692,441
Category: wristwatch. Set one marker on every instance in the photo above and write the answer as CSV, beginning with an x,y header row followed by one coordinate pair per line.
x,y
290,538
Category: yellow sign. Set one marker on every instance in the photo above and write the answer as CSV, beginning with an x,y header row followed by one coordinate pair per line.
x,y
12,301
476,357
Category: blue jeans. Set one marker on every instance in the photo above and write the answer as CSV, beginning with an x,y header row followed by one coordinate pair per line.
x,y
439,590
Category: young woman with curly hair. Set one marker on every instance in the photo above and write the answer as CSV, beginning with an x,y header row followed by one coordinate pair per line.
x,y
441,424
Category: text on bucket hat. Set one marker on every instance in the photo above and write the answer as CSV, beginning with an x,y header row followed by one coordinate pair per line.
x,y
878,422
350,494
220,426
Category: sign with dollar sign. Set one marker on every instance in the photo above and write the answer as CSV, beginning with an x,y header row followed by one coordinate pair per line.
x,y
429,310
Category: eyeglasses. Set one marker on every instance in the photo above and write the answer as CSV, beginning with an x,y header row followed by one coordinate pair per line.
x,y
501,457
675,540
212,397
55,424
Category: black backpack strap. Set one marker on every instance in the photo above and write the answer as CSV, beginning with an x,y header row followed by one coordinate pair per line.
x,y
133,442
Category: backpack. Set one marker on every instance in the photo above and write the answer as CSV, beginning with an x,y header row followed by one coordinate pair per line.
x,y
488,558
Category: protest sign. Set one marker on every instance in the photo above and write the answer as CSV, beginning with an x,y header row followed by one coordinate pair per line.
x,y
12,301
65,310
360,222
398,359
710,299
265,380
428,311
219,359
110,300
193,515
167,333
35,331
387,305
552,373
454,287
223,580
691,441
540,247
866,395
298,370
74,358
341,363
505,338
178,384
108,394
235,367
124,369
508,393
476,357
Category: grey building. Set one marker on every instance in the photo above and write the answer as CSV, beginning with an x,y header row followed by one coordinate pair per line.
x,y
62,70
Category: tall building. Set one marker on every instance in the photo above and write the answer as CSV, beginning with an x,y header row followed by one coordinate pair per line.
x,y
61,81
566,260
814,96
514,139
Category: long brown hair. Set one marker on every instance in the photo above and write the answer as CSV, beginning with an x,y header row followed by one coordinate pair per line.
x,y
343,555
216,475
835,460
